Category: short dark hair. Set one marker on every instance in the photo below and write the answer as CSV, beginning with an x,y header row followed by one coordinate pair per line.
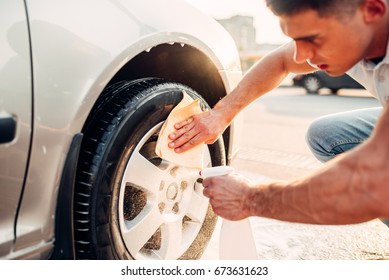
x,y
323,7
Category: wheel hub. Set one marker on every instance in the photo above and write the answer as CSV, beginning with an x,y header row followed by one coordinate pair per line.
x,y
174,194
172,191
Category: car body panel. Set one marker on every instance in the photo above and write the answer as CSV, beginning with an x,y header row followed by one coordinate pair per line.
x,y
74,57
16,101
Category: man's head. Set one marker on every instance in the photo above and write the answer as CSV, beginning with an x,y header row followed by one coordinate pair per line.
x,y
333,35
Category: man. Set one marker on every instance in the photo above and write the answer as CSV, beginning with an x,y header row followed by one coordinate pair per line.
x,y
336,36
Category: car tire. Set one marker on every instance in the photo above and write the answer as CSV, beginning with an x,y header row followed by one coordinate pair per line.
x,y
128,202
311,84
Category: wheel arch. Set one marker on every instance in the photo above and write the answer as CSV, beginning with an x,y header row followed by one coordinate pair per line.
x,y
179,63
193,65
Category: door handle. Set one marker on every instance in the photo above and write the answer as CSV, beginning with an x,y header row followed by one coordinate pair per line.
x,y
7,128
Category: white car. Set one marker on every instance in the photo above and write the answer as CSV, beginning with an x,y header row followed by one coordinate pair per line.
x,y
85,86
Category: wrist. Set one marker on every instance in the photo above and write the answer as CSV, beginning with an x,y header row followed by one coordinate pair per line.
x,y
252,201
224,113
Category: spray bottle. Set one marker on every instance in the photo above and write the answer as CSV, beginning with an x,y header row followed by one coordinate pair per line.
x,y
236,237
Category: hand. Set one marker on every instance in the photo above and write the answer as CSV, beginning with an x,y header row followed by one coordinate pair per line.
x,y
229,196
206,128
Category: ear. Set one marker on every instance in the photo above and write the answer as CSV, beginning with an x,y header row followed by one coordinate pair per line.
x,y
373,10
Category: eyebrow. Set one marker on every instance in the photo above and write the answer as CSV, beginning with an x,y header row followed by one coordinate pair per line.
x,y
306,38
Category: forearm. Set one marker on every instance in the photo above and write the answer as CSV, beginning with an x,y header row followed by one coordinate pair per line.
x,y
263,77
256,82
347,190
245,93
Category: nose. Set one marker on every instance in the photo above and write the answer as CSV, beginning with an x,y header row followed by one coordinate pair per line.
x,y
302,52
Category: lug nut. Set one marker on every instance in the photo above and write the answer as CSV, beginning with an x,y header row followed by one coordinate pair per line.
x,y
173,171
176,208
184,185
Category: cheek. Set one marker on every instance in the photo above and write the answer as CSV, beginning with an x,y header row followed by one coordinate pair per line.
x,y
349,45
337,50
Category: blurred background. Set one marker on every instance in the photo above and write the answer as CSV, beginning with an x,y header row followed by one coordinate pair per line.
x,y
251,24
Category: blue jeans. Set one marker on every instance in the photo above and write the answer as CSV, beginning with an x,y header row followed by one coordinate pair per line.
x,y
331,135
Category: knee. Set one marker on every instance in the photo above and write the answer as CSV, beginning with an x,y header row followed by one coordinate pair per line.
x,y
316,138
316,133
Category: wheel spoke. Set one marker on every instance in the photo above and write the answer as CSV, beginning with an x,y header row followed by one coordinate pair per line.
x,y
143,173
198,208
139,231
171,240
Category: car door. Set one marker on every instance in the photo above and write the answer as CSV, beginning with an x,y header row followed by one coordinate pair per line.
x,y
15,115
